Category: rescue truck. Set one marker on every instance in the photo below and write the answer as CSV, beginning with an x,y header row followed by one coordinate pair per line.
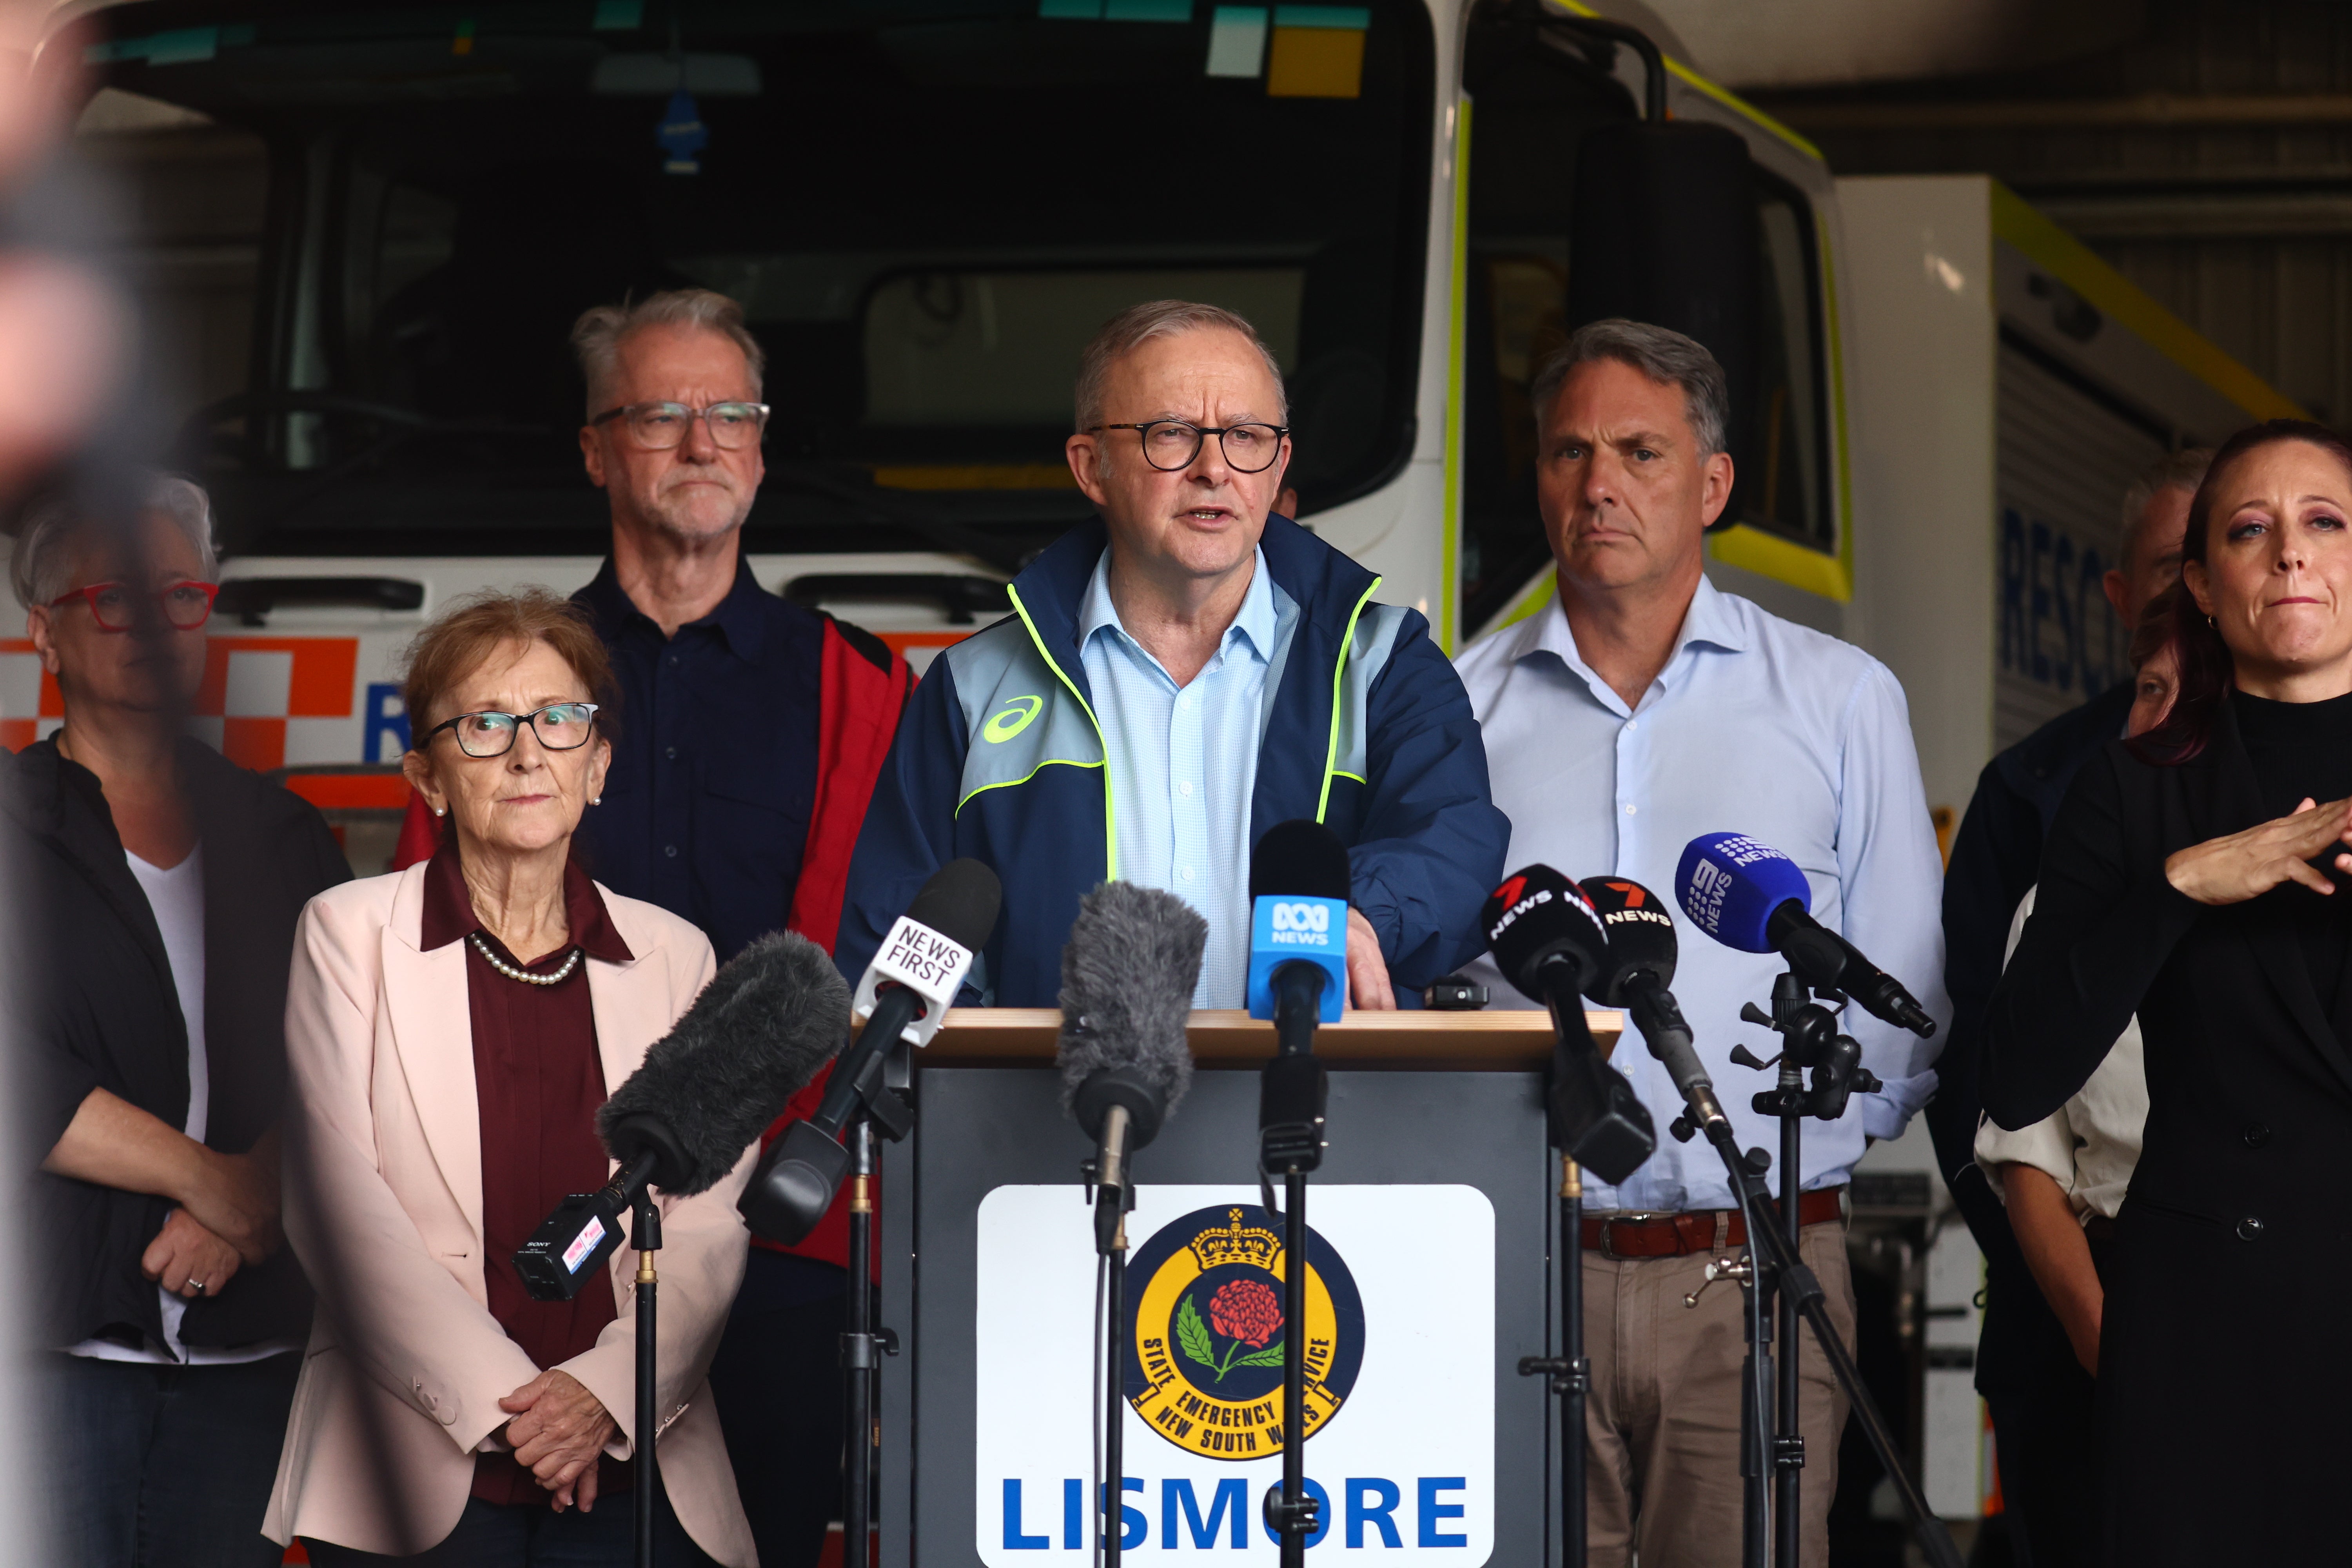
x,y
361,234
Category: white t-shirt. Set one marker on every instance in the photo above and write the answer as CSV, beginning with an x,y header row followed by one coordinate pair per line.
x,y
2090,1145
176,896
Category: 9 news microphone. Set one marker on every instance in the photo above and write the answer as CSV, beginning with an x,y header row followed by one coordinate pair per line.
x,y
1128,975
1747,895
1548,940
1639,968
904,994
1299,883
758,1035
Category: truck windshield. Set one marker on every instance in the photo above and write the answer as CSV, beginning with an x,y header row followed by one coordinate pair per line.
x,y
926,207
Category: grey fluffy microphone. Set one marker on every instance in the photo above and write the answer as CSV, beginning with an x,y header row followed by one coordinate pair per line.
x,y
1128,975
759,1032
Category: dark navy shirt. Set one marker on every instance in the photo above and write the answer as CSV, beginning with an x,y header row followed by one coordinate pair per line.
x,y
714,769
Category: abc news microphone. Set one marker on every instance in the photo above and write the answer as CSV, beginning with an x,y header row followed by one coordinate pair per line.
x,y
1547,940
1128,975
1299,885
904,994
758,1035
1747,895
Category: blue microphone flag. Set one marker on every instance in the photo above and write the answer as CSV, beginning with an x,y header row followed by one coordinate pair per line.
x,y
1730,884
1292,929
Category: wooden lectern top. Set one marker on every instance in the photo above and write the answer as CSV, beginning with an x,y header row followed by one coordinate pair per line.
x,y
1509,1040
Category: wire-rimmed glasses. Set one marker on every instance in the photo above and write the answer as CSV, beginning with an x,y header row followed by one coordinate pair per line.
x,y
1171,444
662,425
118,607
560,726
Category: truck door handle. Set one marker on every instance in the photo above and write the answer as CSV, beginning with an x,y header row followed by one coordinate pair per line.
x,y
960,595
251,598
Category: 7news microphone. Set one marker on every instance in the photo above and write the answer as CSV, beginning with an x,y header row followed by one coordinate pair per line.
x,y
758,1034
1639,968
905,993
1747,895
1128,975
1299,885
1548,942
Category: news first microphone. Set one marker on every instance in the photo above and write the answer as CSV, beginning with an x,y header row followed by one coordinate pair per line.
x,y
904,994
1640,967
1747,895
1128,975
1299,884
758,1035
1547,940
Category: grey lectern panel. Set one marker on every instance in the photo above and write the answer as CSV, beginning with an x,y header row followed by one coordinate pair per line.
x,y
982,1128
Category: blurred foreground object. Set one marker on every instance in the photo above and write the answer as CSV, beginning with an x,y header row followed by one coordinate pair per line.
x,y
164,883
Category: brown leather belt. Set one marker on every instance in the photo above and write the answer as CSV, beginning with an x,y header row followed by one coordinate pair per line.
x,y
1676,1234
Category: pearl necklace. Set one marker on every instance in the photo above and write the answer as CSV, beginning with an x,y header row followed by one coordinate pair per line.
x,y
555,977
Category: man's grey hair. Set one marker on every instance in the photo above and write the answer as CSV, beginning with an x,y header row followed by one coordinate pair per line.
x,y
52,526
2181,470
599,333
1666,356
1139,324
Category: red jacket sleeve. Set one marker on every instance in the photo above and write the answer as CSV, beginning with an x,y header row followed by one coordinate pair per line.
x,y
858,717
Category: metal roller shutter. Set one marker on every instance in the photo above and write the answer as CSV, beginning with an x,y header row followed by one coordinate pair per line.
x,y
2065,458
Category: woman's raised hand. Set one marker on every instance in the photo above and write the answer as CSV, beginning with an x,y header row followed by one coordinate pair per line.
x,y
2241,866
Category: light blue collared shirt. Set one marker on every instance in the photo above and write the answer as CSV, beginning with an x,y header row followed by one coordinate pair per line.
x,y
1183,764
1758,726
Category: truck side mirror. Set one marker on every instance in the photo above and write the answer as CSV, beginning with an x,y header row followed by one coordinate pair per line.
x,y
1665,231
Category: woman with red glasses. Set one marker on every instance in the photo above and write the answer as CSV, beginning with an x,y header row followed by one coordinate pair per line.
x,y
158,885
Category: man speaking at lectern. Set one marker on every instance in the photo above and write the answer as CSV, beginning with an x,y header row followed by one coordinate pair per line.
x,y
1176,678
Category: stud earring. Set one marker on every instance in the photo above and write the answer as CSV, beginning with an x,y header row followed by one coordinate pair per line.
x,y
440,811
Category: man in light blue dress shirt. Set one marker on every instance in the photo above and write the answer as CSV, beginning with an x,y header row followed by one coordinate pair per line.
x,y
1176,827
1642,708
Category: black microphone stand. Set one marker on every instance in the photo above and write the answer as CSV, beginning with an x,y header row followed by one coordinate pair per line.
x,y
1571,1372
1111,1506
1809,1039
1291,1095
645,1231
863,1345
1772,1247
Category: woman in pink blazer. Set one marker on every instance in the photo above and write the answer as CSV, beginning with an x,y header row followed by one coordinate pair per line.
x,y
450,1030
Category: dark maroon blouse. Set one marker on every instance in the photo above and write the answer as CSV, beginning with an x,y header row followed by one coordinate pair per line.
x,y
538,1082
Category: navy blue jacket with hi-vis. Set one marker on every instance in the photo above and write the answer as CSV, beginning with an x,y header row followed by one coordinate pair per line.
x,y
999,757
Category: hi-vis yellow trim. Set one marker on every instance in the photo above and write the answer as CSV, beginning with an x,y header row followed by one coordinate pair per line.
x,y
1339,673
1025,778
1110,821
1729,100
2072,263
1782,560
1456,318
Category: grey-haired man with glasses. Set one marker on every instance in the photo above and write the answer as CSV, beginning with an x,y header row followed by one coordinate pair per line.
x,y
1177,676
749,735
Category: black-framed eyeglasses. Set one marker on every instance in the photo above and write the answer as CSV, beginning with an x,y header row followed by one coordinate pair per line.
x,y
1173,445
560,726
662,425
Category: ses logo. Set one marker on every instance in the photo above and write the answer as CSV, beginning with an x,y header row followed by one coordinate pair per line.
x,y
1207,1334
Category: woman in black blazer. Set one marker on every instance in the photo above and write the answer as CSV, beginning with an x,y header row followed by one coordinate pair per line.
x,y
153,888
2199,876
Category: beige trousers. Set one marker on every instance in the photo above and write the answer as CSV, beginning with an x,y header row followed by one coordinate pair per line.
x,y
1662,1478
